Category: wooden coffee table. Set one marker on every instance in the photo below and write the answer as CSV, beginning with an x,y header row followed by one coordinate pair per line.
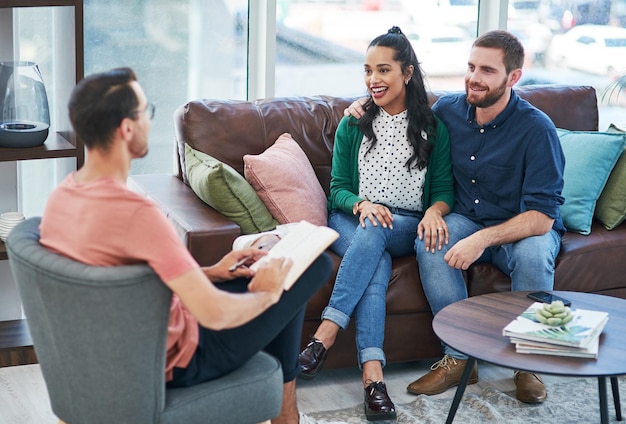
x,y
474,327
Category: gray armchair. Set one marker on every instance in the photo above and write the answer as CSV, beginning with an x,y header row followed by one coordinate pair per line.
x,y
99,334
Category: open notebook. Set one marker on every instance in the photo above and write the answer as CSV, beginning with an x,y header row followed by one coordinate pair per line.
x,y
303,243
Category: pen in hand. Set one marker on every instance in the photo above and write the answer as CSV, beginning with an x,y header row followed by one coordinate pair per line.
x,y
242,261
239,263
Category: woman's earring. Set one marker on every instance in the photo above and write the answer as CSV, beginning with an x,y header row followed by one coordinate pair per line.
x,y
406,82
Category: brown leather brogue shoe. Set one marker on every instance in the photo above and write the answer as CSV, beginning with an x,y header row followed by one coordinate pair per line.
x,y
530,388
443,374
312,358
378,405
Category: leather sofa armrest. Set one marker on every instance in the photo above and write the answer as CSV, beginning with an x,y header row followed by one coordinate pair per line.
x,y
207,234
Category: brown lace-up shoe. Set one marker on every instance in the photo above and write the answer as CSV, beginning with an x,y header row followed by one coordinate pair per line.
x,y
443,374
530,388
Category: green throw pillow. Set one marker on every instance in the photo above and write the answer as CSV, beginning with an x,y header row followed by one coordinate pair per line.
x,y
227,191
589,159
611,206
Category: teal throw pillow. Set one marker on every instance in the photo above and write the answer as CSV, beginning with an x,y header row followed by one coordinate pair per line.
x,y
611,206
227,191
589,159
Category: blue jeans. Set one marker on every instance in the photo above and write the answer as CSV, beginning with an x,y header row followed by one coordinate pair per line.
x,y
364,273
528,262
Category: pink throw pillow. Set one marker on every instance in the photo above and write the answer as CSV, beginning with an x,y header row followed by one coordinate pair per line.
x,y
286,182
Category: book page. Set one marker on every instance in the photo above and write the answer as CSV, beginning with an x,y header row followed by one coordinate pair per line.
x,y
532,347
302,244
540,348
248,240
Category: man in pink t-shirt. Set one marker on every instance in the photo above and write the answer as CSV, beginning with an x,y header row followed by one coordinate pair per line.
x,y
218,318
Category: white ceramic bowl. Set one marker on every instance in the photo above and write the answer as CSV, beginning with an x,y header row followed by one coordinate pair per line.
x,y
12,217
6,227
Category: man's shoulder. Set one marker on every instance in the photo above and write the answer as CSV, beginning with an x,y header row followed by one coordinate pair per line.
x,y
450,101
450,107
532,113
103,196
451,97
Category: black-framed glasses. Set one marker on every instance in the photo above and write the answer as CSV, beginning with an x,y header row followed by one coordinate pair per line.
x,y
149,110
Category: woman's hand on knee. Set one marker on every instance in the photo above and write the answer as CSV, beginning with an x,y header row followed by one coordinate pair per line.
x,y
432,229
375,213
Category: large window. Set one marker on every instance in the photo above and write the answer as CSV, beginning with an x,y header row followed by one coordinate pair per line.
x,y
575,42
180,49
188,49
321,44
36,39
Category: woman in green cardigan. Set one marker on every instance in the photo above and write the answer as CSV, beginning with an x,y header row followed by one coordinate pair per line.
x,y
391,181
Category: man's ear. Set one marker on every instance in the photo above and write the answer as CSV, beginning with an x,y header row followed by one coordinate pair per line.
x,y
514,77
126,129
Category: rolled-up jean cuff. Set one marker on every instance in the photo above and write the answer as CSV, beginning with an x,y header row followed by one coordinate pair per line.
x,y
336,316
455,354
372,354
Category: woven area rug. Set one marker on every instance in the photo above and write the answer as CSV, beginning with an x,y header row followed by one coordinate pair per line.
x,y
572,400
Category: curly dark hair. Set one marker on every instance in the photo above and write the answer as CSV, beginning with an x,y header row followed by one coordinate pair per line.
x,y
420,116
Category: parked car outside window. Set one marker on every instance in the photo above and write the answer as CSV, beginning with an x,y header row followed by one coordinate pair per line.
x,y
441,49
596,49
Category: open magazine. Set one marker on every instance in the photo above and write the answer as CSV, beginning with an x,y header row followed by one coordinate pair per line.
x,y
302,242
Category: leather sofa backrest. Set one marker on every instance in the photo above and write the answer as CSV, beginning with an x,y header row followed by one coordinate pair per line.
x,y
229,129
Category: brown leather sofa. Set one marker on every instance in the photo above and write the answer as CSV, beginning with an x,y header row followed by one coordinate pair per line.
x,y
229,129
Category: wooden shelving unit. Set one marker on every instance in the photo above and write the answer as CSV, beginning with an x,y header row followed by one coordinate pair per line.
x,y
16,346
57,145
15,343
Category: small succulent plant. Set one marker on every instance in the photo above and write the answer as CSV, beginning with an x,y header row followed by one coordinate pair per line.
x,y
555,314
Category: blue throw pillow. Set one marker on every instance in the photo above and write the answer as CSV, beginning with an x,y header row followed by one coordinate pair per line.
x,y
589,159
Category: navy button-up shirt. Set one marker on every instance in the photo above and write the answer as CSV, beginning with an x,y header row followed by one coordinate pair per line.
x,y
510,165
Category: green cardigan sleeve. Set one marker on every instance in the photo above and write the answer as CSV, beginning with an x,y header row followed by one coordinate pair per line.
x,y
439,184
344,174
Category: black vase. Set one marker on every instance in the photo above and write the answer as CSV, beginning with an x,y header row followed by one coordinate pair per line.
x,y
24,112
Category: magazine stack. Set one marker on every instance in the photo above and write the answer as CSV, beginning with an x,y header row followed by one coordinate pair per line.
x,y
577,336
